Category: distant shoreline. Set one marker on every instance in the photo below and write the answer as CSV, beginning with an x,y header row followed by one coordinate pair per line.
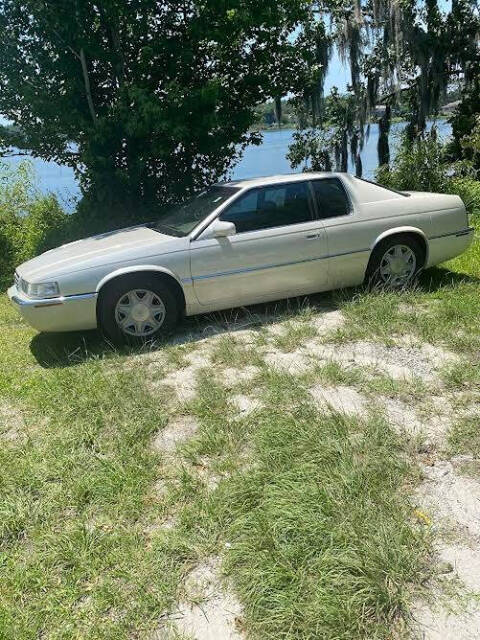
x,y
291,127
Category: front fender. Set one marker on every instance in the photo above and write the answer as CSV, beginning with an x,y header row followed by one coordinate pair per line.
x,y
136,269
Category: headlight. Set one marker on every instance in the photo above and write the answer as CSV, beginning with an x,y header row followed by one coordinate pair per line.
x,y
41,289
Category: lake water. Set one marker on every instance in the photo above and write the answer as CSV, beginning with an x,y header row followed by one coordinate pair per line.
x,y
267,159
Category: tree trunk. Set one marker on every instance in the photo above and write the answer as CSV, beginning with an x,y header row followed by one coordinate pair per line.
x,y
383,147
88,91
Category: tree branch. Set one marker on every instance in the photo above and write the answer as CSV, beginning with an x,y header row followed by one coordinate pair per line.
x,y
114,43
88,91
5,153
412,83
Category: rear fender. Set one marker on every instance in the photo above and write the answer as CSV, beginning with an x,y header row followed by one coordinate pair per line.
x,y
400,230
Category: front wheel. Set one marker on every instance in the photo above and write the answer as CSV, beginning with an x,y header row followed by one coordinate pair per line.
x,y
395,262
136,309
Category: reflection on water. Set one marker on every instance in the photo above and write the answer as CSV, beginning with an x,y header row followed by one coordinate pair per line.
x,y
267,159
270,158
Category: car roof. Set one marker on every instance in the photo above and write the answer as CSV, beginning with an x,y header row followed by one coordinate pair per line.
x,y
279,179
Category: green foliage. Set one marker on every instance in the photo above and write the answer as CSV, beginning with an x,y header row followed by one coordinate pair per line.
x,y
30,222
418,166
310,149
327,145
405,63
148,101
464,122
469,191
266,115
300,519
470,144
422,166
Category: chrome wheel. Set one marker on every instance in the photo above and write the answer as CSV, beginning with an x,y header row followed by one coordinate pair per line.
x,y
398,265
140,313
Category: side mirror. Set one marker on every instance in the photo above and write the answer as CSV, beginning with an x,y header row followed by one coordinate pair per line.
x,y
219,229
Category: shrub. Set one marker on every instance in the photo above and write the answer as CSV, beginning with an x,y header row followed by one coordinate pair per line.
x,y
30,222
469,191
418,166
421,166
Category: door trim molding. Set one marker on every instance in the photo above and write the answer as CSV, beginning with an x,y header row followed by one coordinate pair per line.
x,y
270,266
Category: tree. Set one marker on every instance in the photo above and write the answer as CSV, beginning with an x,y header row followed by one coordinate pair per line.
x,y
146,100
465,127
399,51
328,145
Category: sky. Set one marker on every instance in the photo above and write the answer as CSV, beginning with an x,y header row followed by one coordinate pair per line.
x,y
338,75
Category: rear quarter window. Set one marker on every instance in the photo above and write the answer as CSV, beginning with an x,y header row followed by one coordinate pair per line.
x,y
331,198
366,191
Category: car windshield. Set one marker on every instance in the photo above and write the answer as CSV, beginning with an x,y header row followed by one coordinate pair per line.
x,y
181,219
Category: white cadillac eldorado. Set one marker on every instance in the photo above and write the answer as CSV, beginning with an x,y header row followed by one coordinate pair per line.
x,y
240,243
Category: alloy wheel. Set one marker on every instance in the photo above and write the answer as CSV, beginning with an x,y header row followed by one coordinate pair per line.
x,y
140,313
398,265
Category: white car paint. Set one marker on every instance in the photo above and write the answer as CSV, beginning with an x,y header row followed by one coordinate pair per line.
x,y
254,266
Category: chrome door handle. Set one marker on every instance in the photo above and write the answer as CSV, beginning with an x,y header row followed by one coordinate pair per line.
x,y
312,236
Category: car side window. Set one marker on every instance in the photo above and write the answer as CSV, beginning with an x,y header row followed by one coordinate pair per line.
x,y
267,207
331,198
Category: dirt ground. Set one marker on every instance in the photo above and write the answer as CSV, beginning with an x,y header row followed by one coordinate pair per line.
x,y
448,501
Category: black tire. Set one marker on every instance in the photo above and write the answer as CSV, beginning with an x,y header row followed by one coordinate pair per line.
x,y
113,292
373,276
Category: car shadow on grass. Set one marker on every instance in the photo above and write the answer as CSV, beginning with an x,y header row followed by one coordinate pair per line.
x,y
438,278
57,350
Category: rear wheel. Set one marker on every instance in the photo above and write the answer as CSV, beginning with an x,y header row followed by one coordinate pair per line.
x,y
137,308
395,262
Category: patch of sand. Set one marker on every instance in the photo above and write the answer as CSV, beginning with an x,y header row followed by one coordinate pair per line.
x,y
245,404
206,612
451,498
277,328
203,470
328,321
341,399
183,380
323,323
399,362
178,430
437,623
433,425
294,362
12,424
454,504
232,376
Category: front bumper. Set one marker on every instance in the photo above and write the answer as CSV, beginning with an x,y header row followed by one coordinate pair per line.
x,y
67,313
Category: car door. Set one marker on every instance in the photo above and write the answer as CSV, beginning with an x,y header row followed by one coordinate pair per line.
x,y
278,249
347,254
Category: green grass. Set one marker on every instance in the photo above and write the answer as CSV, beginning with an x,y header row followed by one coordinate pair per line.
x,y
442,309
294,335
464,437
322,542
82,555
75,498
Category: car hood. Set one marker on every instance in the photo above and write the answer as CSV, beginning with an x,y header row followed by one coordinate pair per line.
x,y
106,248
